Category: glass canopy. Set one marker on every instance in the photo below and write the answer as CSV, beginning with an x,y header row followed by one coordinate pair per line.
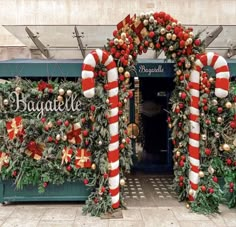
x,y
75,41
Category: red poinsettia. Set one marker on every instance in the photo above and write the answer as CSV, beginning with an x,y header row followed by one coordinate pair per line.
x,y
42,85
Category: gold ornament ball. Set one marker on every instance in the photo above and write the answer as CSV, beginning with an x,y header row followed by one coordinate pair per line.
x,y
151,19
219,119
151,45
173,55
187,206
58,137
18,90
120,69
123,35
204,137
100,142
168,36
107,101
145,22
221,148
69,92
116,41
177,153
59,98
93,166
226,147
180,144
178,72
201,174
187,65
5,102
61,91
121,42
64,138
228,105
190,40
174,37
170,125
217,134
211,80
190,34
190,192
171,48
127,74
125,100
214,102
163,31
122,182
49,124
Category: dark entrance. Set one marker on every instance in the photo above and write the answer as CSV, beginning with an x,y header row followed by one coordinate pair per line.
x,y
153,148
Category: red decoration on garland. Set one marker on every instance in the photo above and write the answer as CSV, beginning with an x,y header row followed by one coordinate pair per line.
x,y
42,85
82,159
124,23
14,127
4,159
66,155
35,150
74,136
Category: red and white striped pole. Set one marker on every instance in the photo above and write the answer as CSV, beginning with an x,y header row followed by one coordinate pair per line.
x,y
220,66
88,87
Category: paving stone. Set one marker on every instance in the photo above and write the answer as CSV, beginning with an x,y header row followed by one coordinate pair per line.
x,y
56,223
5,211
113,223
20,222
229,218
28,213
197,223
132,214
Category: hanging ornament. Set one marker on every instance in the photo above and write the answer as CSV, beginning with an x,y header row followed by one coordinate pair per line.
x,y
122,182
201,174
228,105
214,102
219,119
61,91
18,90
123,140
58,137
5,102
100,142
226,147
69,92
204,137
59,98
93,166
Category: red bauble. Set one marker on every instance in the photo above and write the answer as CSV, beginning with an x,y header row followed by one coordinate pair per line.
x,y
215,179
146,43
103,189
32,143
197,42
205,108
122,146
181,178
120,104
68,168
115,32
211,190
182,43
183,95
228,161
233,124
161,39
231,190
50,139
130,94
231,184
177,109
105,175
121,77
120,112
59,122
181,184
92,108
181,163
220,109
106,86
183,157
66,123
203,188
158,45
86,181
208,121
207,151
43,120
204,100
14,173
83,120
45,184
151,34
181,105
85,133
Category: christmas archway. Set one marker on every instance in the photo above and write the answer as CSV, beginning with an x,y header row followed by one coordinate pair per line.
x,y
199,120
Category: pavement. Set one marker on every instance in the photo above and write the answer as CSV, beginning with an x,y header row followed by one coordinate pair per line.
x,y
150,203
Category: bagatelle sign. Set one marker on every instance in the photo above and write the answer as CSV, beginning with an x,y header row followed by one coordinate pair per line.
x,y
155,69
18,102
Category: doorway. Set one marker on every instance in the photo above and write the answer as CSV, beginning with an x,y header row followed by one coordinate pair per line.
x,y
153,153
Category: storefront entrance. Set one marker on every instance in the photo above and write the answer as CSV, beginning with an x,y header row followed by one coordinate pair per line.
x,y
152,148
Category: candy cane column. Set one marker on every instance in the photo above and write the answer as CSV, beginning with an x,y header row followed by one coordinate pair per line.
x,y
221,90
88,86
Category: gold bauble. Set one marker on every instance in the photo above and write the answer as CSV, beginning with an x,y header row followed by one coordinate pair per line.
x,y
49,124
116,41
120,69
59,98
228,105
64,138
174,37
226,147
163,31
171,48
204,137
178,72
122,182
187,206
58,137
61,91
211,79
219,119
121,42
127,74
123,35
201,174
93,166
168,36
190,192
69,92
170,125
177,153
173,55
18,90
5,102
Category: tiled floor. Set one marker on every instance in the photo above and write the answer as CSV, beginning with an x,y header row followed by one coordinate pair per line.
x,y
150,201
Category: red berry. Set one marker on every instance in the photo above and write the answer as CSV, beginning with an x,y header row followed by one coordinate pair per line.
x,y
207,151
103,189
106,86
215,179
130,94
183,95
105,175
181,184
32,143
181,178
45,184
120,112
115,32
181,163
208,121
146,43
203,188
96,200
46,128
183,158
86,181
50,139
197,42
66,123
69,168
204,100
231,190
121,77
122,146
231,184
205,108
181,105
177,109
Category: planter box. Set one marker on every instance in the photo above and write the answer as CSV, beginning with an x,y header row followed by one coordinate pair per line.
x,y
69,191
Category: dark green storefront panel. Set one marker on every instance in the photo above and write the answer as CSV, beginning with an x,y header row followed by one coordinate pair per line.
x,y
69,191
